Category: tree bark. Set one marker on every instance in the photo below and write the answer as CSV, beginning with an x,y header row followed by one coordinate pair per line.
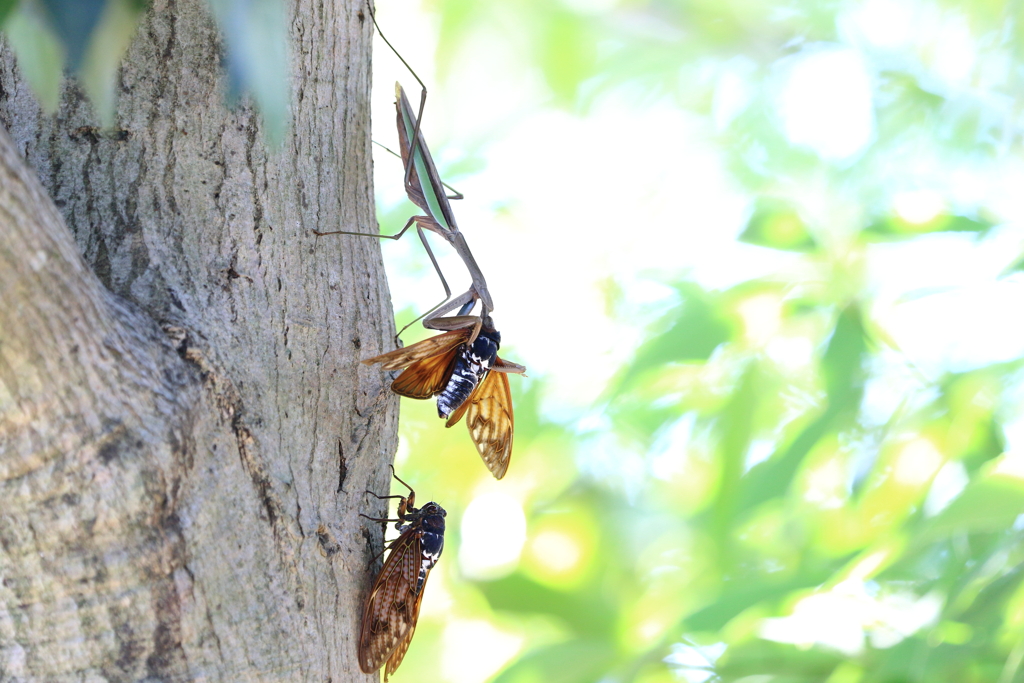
x,y
181,399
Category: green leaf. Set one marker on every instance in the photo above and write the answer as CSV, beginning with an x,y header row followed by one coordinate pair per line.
x,y
586,614
73,22
895,227
735,428
567,52
39,55
110,41
698,329
739,595
256,32
778,662
771,478
88,36
842,368
777,225
993,502
575,661
6,6
843,363
1016,267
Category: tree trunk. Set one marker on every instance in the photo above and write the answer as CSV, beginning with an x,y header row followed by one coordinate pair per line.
x,y
181,402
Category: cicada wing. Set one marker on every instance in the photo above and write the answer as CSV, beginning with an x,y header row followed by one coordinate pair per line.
x,y
403,645
426,377
438,344
490,421
393,605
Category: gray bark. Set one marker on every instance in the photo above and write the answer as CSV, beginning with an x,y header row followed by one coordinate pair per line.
x,y
181,402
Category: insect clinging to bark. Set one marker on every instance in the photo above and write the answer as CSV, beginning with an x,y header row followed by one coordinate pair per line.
x,y
393,605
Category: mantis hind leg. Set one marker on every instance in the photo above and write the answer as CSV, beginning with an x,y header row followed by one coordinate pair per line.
x,y
444,283
430,254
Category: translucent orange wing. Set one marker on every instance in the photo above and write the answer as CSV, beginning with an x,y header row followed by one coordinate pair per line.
x,y
400,358
426,377
403,645
392,607
490,421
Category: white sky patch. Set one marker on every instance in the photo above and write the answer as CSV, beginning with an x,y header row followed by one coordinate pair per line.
x,y
833,620
733,91
951,53
996,186
940,261
758,451
1011,465
886,24
762,317
485,552
960,329
616,461
936,39
939,298
474,650
793,352
668,455
1013,432
893,385
951,480
918,206
917,462
901,615
825,102
841,618
695,662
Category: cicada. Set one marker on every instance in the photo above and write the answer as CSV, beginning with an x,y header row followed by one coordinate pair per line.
x,y
393,606
462,368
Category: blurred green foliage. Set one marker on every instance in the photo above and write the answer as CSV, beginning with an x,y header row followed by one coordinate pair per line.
x,y
88,38
784,526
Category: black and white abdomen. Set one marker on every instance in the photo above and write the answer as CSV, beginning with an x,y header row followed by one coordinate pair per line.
x,y
471,366
431,540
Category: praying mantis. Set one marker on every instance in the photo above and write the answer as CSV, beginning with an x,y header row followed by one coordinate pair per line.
x,y
424,187
460,366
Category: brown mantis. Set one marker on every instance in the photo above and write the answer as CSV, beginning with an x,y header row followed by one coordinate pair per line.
x,y
425,189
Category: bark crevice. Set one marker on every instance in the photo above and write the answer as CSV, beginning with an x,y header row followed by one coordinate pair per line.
x,y
179,366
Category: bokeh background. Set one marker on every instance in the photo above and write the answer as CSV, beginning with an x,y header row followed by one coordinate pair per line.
x,y
762,262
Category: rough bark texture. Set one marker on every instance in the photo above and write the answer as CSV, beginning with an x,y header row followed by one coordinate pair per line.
x,y
181,402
